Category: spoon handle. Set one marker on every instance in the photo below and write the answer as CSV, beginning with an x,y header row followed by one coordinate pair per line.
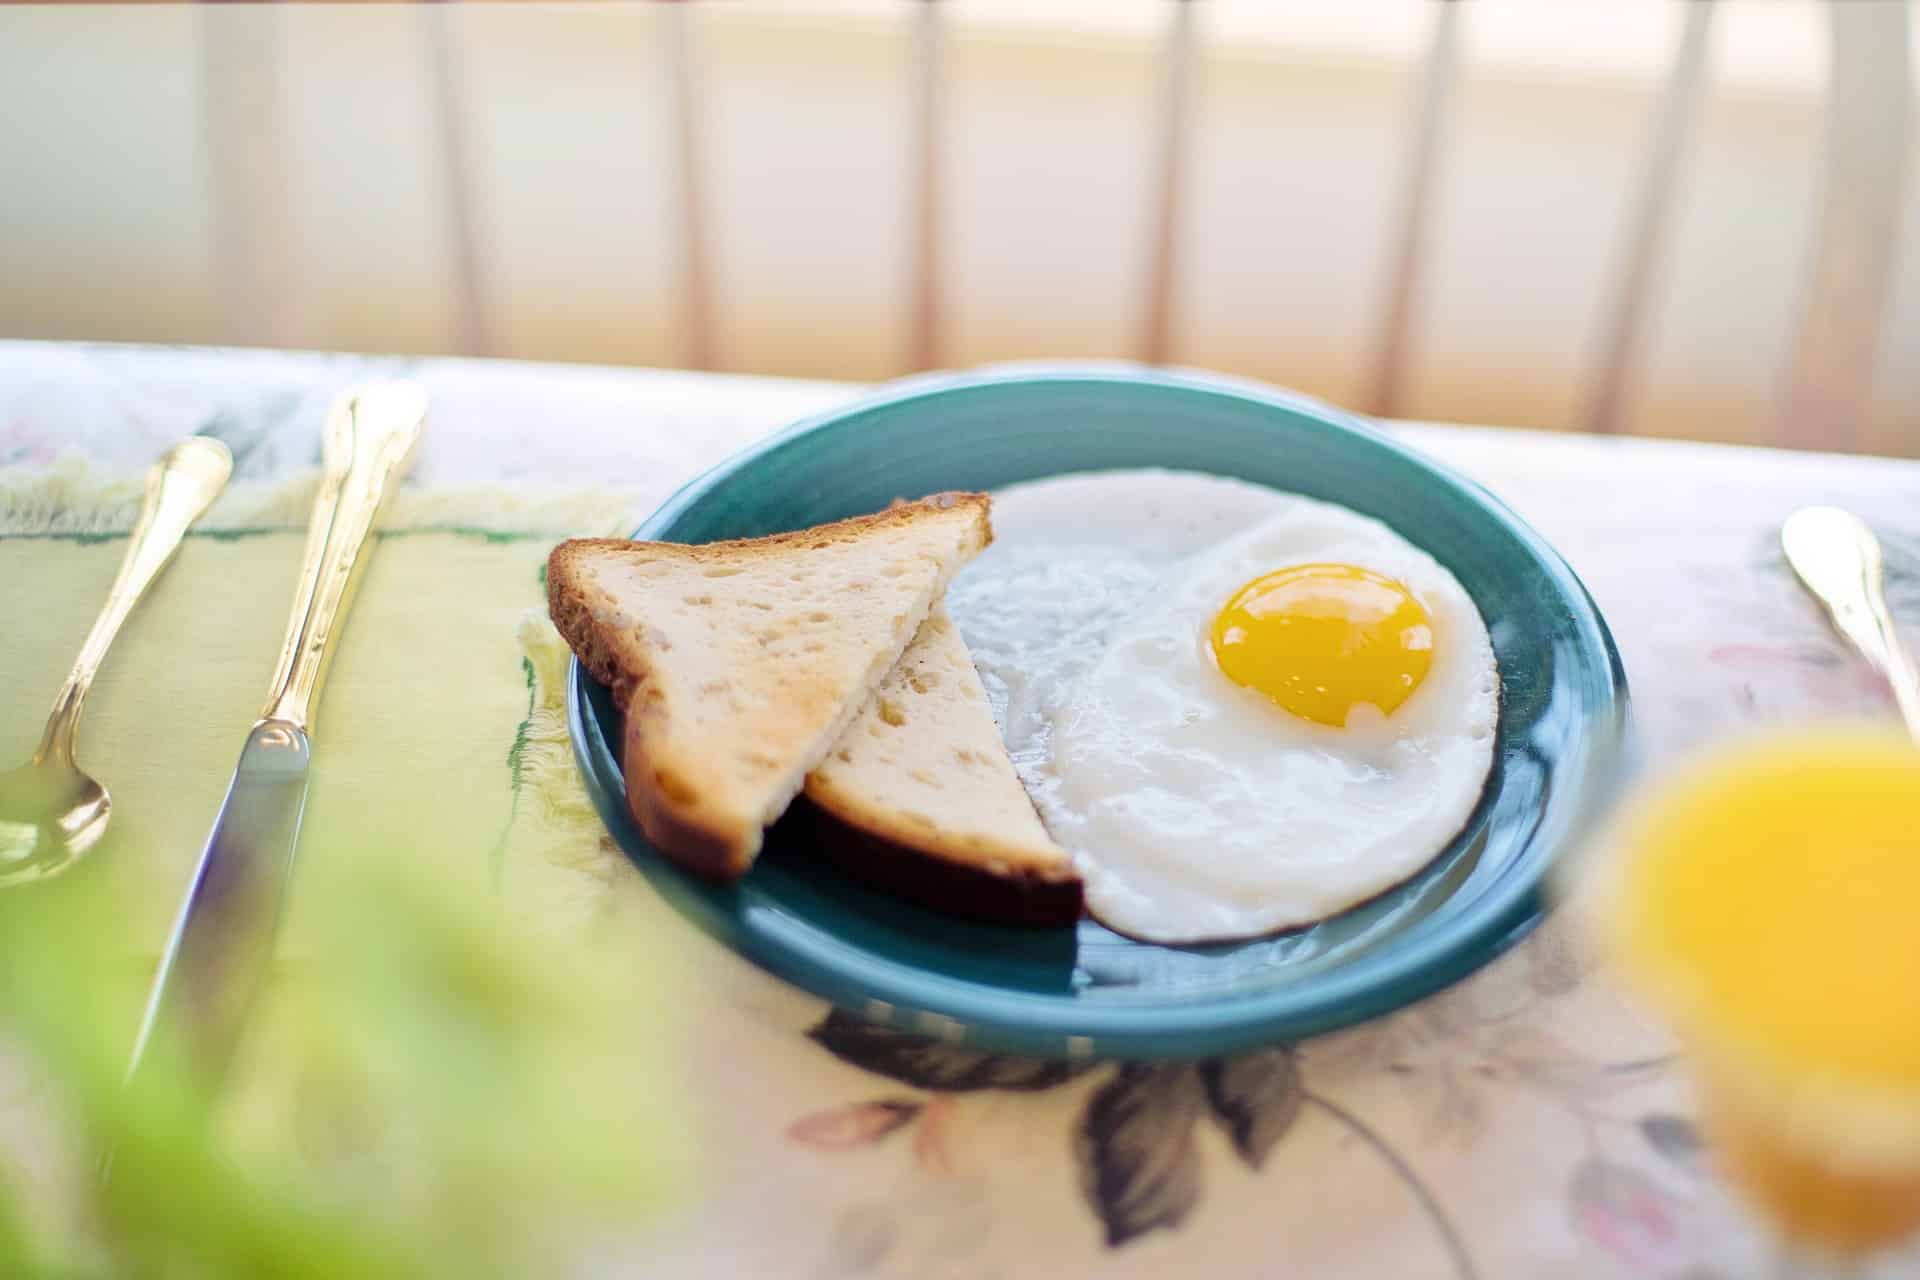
x,y
1838,560
180,487
370,435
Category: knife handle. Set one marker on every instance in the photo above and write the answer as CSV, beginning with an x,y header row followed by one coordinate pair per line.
x,y
369,438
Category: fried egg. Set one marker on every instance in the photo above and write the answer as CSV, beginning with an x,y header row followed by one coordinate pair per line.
x,y
1241,710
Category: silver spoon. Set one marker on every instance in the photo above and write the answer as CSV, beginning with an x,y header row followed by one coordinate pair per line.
x,y
1838,559
52,811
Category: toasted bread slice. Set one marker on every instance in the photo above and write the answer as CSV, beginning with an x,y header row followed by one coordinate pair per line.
x,y
739,664
921,798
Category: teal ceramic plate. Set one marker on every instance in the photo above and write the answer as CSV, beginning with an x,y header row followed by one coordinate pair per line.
x,y
1086,990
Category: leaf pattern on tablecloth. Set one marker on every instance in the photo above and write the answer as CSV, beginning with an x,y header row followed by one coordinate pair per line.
x,y
1139,1167
1534,1057
861,1239
1625,1213
1451,1105
933,1064
255,431
1136,1146
933,1138
935,1229
1677,1138
1555,962
858,1124
1455,1057
1900,566
1256,1097
1409,1178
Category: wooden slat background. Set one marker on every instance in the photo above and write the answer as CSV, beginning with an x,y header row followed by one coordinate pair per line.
x,y
1823,383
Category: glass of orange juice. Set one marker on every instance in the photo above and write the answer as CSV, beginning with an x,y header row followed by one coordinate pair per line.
x,y
1767,901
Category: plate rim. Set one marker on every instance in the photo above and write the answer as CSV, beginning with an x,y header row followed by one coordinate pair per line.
x,y
916,1000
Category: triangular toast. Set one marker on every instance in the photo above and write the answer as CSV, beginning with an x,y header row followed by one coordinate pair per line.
x,y
740,664
927,803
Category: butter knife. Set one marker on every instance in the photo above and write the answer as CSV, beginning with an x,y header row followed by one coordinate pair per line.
x,y
222,943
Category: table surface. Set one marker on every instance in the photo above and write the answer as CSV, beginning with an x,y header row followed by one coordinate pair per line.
x,y
1525,1122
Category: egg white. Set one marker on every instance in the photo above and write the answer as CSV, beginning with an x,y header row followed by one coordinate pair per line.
x,y
1197,809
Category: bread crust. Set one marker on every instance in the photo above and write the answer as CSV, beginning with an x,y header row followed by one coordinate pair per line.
x,y
699,846
777,543
916,873
986,857
668,808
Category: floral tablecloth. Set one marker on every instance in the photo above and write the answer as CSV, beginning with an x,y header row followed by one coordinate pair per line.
x,y
1527,1122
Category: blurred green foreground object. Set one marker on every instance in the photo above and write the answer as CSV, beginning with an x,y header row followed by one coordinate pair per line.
x,y
433,1091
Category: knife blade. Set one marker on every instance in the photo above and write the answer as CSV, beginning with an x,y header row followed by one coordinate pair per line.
x,y
223,937
217,959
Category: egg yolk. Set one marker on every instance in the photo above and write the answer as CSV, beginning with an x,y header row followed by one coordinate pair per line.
x,y
1321,639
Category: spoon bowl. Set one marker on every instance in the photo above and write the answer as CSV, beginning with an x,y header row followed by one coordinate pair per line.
x,y
51,810
51,813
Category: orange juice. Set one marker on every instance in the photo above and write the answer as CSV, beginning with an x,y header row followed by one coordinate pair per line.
x,y
1817,1192
1768,900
